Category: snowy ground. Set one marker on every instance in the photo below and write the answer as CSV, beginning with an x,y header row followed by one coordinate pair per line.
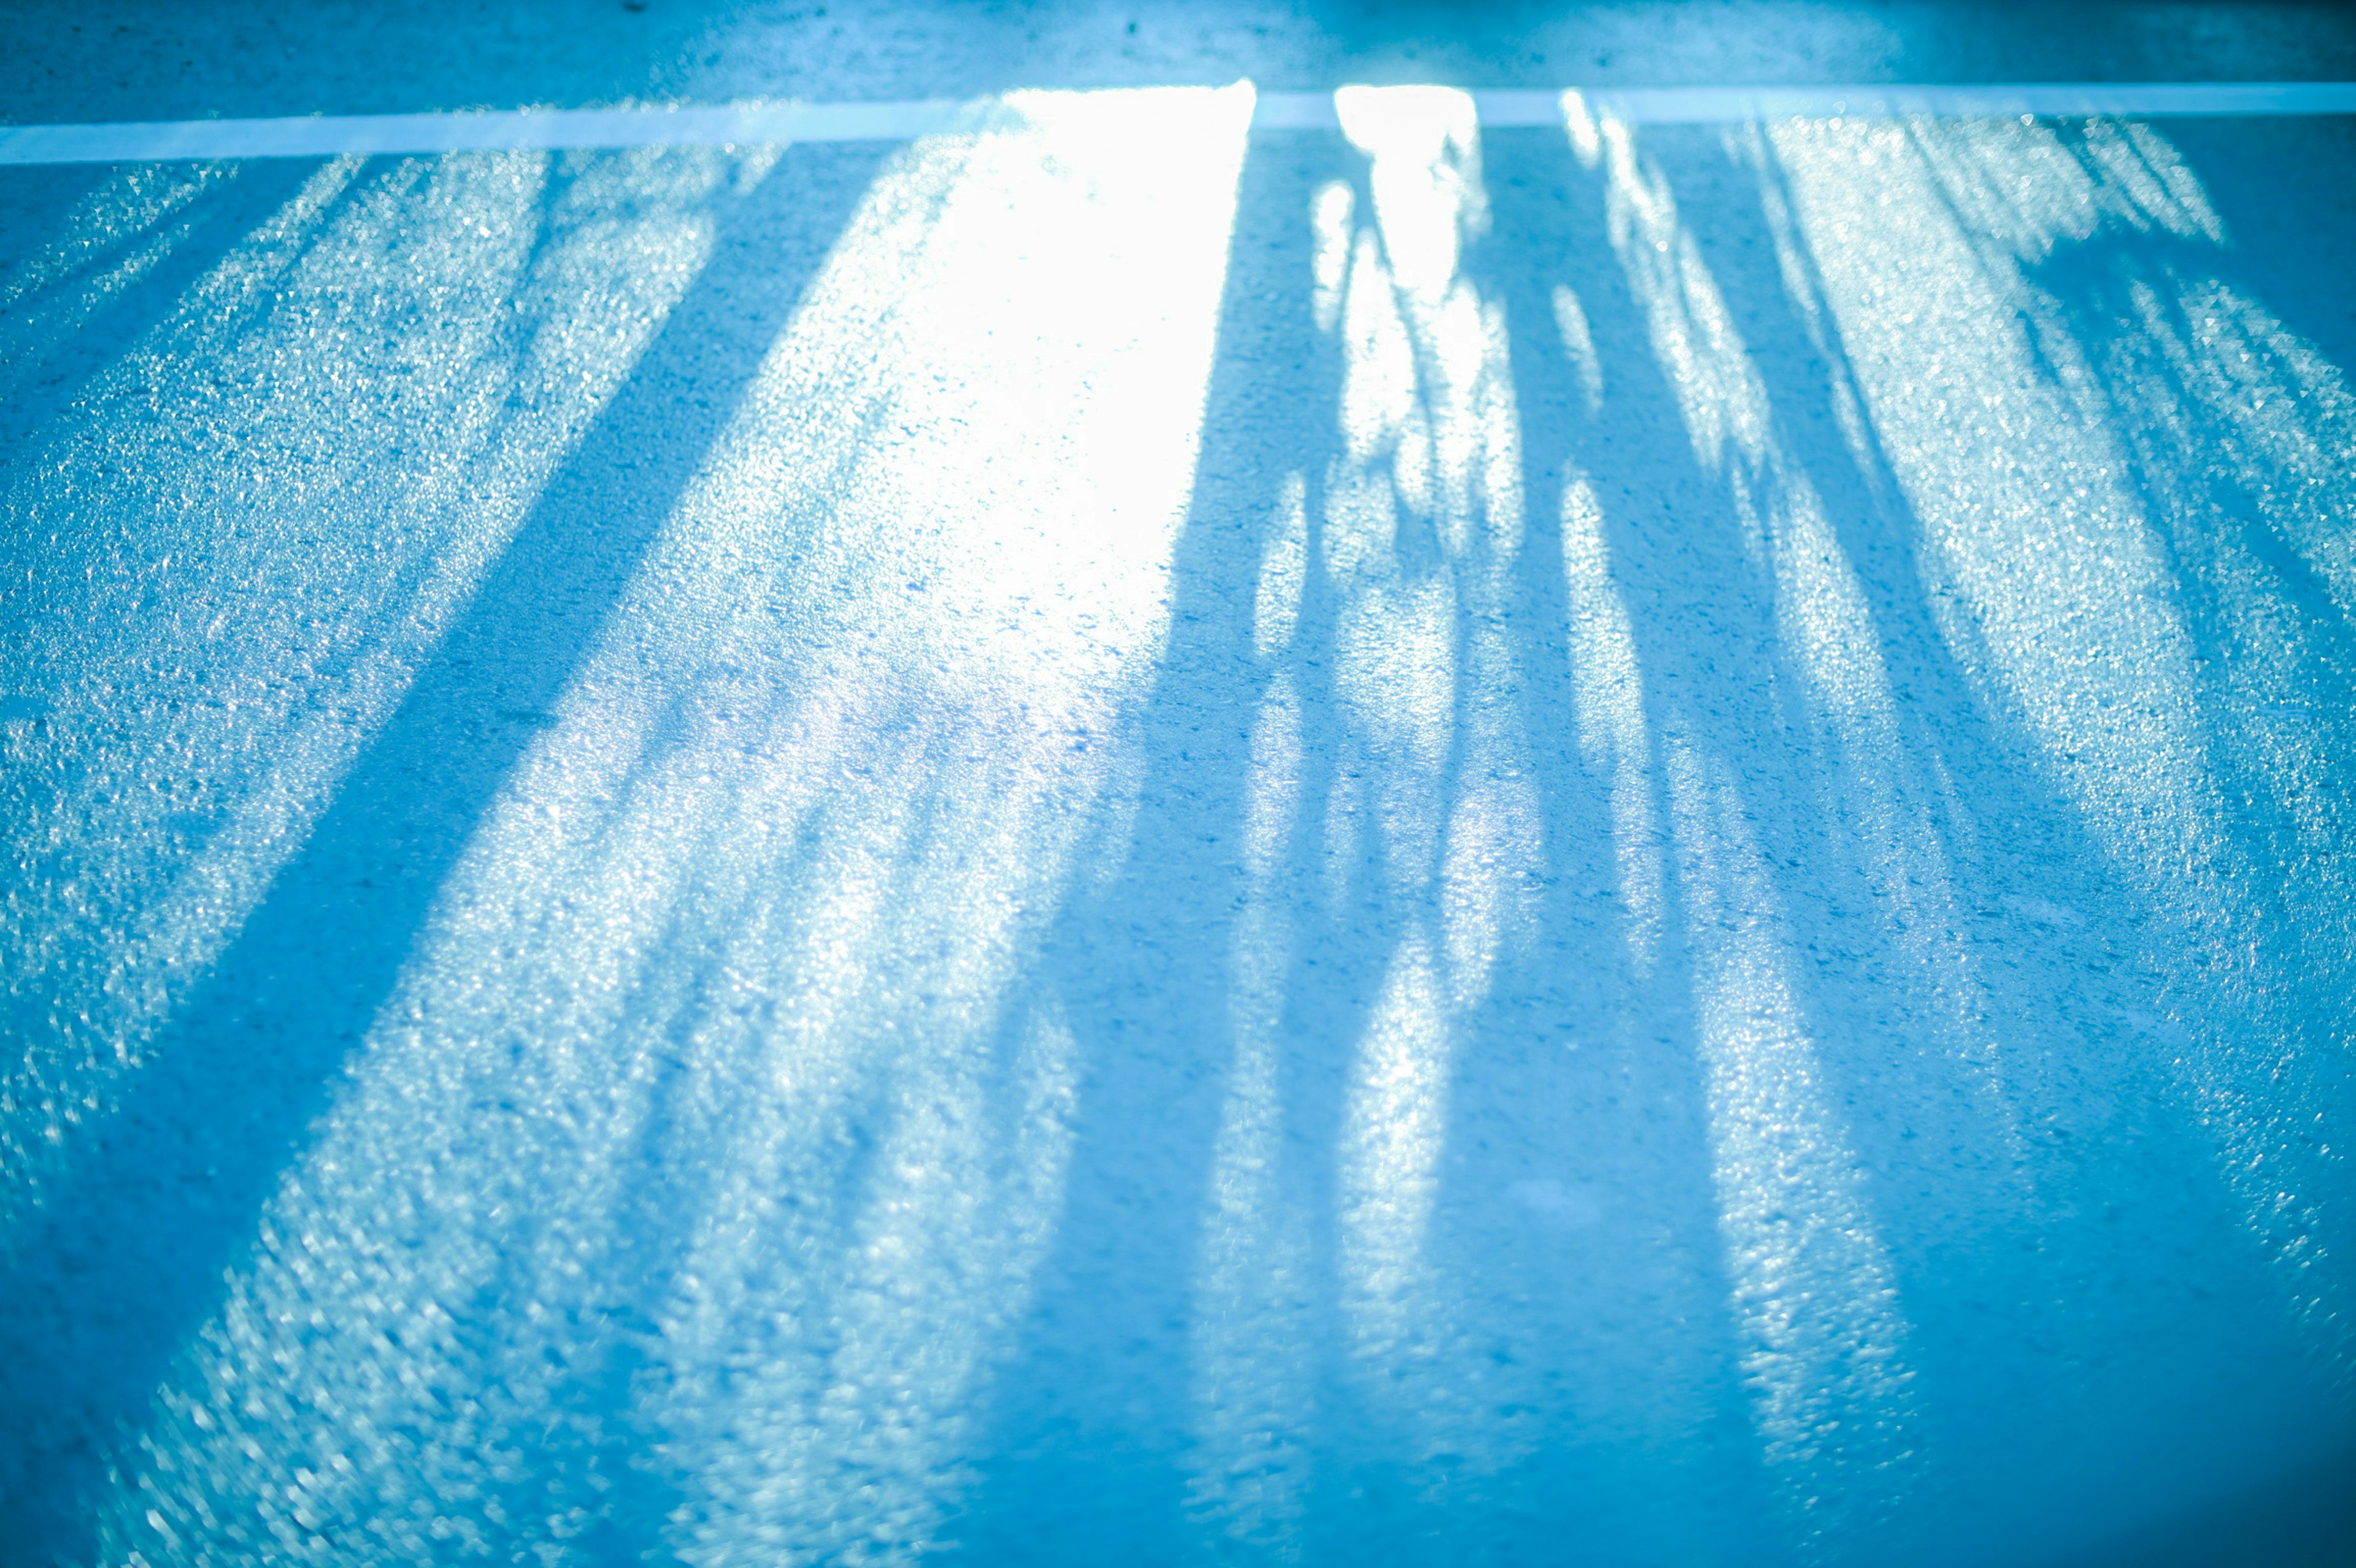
x,y
1122,840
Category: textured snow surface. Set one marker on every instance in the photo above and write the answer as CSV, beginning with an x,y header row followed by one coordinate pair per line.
x,y
1112,842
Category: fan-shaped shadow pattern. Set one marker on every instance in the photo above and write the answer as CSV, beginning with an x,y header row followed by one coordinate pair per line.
x,y
1587,847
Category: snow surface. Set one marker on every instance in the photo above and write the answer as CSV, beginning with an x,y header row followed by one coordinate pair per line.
x,y
1117,842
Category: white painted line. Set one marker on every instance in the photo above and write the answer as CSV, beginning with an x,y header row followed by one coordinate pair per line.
x,y
1718,105
329,136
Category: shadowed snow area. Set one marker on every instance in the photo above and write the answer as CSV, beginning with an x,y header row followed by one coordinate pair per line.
x,y
1112,840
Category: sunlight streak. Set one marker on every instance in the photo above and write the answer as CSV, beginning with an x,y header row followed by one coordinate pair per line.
x,y
195,762
1253,1335
1827,627
1422,528
1283,572
1814,1292
1607,696
736,951
2090,570
1390,1158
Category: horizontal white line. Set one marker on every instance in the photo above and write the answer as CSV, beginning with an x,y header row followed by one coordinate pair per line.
x,y
328,136
1718,105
